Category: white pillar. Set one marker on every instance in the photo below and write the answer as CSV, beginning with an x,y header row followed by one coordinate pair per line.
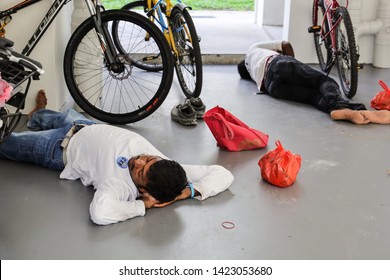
x,y
297,19
273,12
382,39
80,13
259,12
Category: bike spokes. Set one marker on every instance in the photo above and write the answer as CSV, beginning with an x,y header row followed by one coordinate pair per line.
x,y
322,40
119,91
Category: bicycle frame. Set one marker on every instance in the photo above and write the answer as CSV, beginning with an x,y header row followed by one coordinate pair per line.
x,y
156,12
330,9
17,70
335,43
42,27
94,10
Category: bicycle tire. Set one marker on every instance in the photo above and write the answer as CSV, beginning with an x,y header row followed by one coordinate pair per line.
x,y
118,98
148,65
322,46
347,57
134,5
188,64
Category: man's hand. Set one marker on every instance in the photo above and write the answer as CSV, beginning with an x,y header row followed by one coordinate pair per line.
x,y
148,200
185,193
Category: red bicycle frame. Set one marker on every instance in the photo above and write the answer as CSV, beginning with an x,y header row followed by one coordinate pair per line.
x,y
330,7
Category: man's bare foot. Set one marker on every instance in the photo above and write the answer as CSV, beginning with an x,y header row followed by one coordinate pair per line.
x,y
40,102
356,117
379,117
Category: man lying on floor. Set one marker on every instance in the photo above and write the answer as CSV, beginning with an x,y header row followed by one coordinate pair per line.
x,y
277,73
128,173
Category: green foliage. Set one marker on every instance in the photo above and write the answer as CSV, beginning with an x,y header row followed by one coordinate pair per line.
x,y
233,5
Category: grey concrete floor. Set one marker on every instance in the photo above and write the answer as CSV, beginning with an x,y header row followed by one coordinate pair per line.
x,y
337,209
227,27
232,33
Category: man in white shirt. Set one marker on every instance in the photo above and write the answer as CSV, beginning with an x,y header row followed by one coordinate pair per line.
x,y
276,72
128,173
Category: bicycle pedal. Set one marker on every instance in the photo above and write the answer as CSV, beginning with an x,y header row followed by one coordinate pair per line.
x,y
150,58
313,29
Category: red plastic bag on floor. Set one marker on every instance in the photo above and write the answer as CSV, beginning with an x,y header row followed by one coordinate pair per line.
x,y
381,101
231,133
280,167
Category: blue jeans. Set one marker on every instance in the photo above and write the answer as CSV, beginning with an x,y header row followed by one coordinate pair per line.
x,y
42,146
288,78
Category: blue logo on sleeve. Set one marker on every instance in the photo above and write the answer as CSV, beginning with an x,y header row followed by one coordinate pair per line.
x,y
122,162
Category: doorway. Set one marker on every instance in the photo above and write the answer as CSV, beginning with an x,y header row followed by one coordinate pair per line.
x,y
227,28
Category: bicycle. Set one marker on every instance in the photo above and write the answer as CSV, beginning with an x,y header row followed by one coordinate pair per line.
x,y
101,62
18,71
179,30
334,40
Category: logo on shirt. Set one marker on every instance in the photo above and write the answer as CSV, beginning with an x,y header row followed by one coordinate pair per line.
x,y
122,162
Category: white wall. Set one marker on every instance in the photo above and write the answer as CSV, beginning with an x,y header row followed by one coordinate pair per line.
x,y
269,12
49,51
297,19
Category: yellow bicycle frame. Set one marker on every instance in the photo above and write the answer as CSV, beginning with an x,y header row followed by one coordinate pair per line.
x,y
168,34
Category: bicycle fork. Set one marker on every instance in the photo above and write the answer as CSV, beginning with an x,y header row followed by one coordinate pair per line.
x,y
104,37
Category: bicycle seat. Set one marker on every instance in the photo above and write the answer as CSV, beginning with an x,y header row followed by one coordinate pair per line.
x,y
5,43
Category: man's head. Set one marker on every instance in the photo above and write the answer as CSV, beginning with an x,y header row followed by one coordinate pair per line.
x,y
242,70
161,178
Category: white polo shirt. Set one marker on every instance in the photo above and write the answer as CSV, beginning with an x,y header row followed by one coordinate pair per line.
x,y
256,59
98,156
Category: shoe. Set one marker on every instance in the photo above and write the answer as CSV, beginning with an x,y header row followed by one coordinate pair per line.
x,y
287,48
184,114
197,104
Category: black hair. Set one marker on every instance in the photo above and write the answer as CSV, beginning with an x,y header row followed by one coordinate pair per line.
x,y
243,71
166,180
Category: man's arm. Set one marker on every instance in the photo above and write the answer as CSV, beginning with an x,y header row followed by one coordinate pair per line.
x,y
208,180
108,207
269,45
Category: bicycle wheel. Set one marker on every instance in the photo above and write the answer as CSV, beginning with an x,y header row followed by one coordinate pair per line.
x,y
189,60
145,64
321,43
347,57
125,93
138,6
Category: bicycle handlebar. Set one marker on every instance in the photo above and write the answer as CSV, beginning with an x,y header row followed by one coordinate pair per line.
x,y
7,53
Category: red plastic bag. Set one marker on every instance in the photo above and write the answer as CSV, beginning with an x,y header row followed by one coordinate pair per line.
x,y
381,101
231,133
280,167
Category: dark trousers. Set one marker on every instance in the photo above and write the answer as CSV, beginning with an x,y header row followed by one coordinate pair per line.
x,y
290,79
